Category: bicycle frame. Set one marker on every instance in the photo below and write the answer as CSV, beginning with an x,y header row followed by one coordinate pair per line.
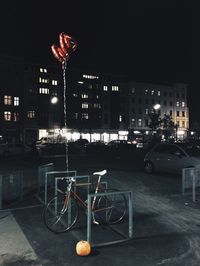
x,y
72,193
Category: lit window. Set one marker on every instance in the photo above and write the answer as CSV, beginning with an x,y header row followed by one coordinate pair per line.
x,y
16,101
54,82
132,90
158,93
105,88
146,111
84,96
7,100
85,116
97,96
31,114
133,122
84,105
97,105
183,104
75,115
177,104
43,91
115,88
139,122
15,116
75,94
120,118
146,91
43,70
7,116
152,92
41,80
90,77
90,86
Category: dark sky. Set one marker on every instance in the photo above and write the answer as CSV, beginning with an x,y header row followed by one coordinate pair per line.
x,y
146,39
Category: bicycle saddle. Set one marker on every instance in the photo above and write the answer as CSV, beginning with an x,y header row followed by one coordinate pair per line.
x,y
103,172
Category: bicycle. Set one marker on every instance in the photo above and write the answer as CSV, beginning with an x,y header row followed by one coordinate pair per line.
x,y
61,213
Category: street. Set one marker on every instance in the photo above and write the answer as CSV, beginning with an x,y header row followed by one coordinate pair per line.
x,y
165,224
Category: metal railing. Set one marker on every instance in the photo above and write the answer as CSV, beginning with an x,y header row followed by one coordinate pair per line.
x,y
130,219
190,181
11,187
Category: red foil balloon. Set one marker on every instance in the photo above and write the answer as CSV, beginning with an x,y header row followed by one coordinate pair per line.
x,y
59,54
64,42
67,43
67,46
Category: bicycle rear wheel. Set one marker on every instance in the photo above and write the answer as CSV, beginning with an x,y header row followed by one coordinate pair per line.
x,y
110,209
60,214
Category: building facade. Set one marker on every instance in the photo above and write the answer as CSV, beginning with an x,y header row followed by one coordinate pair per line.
x,y
172,100
98,106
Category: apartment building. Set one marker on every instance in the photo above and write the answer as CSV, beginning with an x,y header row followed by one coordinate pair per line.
x,y
98,106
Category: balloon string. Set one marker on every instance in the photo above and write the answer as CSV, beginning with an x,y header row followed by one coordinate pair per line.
x,y
65,114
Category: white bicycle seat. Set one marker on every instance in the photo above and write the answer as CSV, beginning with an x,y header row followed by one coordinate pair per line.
x,y
101,173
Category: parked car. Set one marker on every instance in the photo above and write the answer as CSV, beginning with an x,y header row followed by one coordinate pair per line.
x,y
171,158
7,149
120,145
96,147
56,148
142,145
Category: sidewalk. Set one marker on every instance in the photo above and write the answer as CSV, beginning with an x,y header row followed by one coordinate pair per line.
x,y
14,246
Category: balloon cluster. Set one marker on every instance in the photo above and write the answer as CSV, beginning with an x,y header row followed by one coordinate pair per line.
x,y
67,46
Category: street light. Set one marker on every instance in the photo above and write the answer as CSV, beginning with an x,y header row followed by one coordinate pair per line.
x,y
156,106
54,99
154,117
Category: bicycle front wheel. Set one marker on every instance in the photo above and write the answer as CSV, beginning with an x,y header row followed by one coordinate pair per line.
x,y
110,209
60,214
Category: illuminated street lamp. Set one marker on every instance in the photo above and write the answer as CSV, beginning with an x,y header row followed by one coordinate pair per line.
x,y
154,117
54,99
156,106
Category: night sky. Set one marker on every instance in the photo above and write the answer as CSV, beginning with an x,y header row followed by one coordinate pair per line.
x,y
153,41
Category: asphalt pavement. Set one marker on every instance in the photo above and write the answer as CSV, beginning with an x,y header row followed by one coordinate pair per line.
x,y
166,228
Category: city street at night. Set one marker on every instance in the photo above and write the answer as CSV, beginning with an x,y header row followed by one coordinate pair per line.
x,y
99,133
165,224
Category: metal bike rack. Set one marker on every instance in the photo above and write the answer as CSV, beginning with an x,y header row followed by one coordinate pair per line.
x,y
190,180
62,174
130,219
78,177
42,170
11,186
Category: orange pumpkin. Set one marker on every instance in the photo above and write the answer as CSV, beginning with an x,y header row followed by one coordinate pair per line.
x,y
83,248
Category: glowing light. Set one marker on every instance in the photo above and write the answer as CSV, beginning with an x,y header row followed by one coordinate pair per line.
x,y
123,133
54,100
156,106
180,132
